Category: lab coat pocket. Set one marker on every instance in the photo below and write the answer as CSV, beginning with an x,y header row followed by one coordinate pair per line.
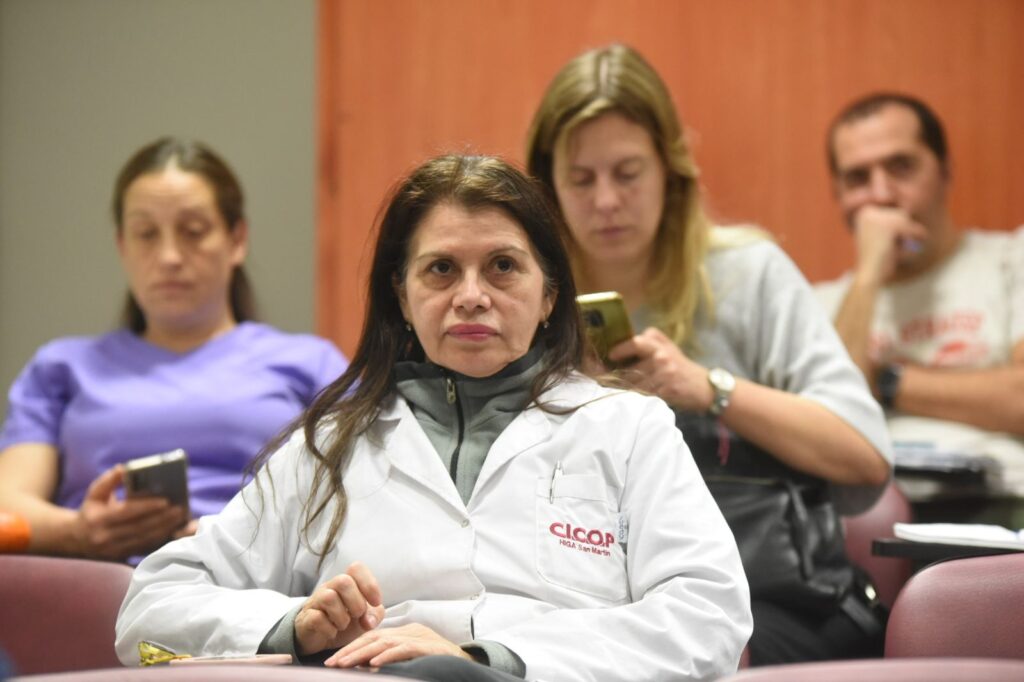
x,y
576,537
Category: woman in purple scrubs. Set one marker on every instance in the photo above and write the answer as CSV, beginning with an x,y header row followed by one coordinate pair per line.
x,y
189,368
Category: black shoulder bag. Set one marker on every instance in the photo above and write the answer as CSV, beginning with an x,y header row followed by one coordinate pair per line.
x,y
789,534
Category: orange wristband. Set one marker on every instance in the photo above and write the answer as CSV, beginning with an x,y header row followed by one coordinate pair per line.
x,y
14,532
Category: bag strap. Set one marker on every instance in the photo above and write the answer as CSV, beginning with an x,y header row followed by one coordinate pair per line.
x,y
802,519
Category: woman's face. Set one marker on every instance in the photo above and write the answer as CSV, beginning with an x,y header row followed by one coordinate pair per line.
x,y
178,252
473,290
610,183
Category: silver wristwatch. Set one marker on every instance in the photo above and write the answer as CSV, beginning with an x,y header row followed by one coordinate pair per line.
x,y
722,383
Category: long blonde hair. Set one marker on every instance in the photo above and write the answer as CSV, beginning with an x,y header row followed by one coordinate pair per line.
x,y
617,79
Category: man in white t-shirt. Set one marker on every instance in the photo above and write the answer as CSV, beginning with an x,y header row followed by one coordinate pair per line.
x,y
933,315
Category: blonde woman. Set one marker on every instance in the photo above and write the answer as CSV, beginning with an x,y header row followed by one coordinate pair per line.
x,y
728,327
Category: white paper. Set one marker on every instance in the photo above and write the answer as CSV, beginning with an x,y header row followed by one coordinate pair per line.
x,y
975,535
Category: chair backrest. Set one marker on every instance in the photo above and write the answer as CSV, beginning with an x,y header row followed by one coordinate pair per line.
x,y
887,670
888,574
58,614
964,607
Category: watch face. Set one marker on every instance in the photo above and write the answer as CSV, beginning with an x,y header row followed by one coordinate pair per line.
x,y
722,380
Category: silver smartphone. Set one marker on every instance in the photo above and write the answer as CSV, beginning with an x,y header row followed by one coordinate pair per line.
x,y
160,475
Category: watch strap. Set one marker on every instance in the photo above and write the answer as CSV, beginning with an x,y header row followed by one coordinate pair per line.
x,y
887,381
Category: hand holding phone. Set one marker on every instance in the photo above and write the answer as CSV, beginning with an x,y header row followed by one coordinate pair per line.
x,y
606,321
108,528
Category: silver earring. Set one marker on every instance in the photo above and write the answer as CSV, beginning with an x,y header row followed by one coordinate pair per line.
x,y
408,327
545,324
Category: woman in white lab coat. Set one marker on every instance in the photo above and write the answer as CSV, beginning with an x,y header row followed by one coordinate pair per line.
x,y
462,493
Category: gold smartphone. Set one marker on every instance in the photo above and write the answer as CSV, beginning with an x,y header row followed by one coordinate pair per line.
x,y
161,475
606,320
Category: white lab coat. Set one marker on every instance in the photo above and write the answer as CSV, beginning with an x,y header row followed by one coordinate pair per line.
x,y
540,562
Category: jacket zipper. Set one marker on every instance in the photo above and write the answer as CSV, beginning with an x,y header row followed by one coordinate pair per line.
x,y
453,399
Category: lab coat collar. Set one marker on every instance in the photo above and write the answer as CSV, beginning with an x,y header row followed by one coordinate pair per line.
x,y
409,450
534,426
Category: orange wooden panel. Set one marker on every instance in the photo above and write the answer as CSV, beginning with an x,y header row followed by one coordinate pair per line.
x,y
756,83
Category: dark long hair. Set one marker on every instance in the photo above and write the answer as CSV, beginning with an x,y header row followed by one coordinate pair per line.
x,y
191,157
351,404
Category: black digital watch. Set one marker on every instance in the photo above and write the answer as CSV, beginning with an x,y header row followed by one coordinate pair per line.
x,y
887,380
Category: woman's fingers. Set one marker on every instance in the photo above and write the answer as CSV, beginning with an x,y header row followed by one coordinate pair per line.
x,y
143,535
642,350
630,349
351,596
391,645
314,631
104,485
188,529
129,511
360,652
327,600
369,590
350,602
373,617
158,524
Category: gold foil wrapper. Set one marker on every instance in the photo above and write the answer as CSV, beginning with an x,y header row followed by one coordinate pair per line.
x,y
154,654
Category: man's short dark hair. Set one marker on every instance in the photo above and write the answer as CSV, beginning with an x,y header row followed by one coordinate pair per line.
x,y
931,132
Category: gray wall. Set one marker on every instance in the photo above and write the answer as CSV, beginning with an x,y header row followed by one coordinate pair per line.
x,y
83,83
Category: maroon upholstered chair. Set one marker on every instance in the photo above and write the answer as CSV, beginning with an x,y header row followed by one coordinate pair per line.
x,y
888,574
965,607
214,673
58,614
887,670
